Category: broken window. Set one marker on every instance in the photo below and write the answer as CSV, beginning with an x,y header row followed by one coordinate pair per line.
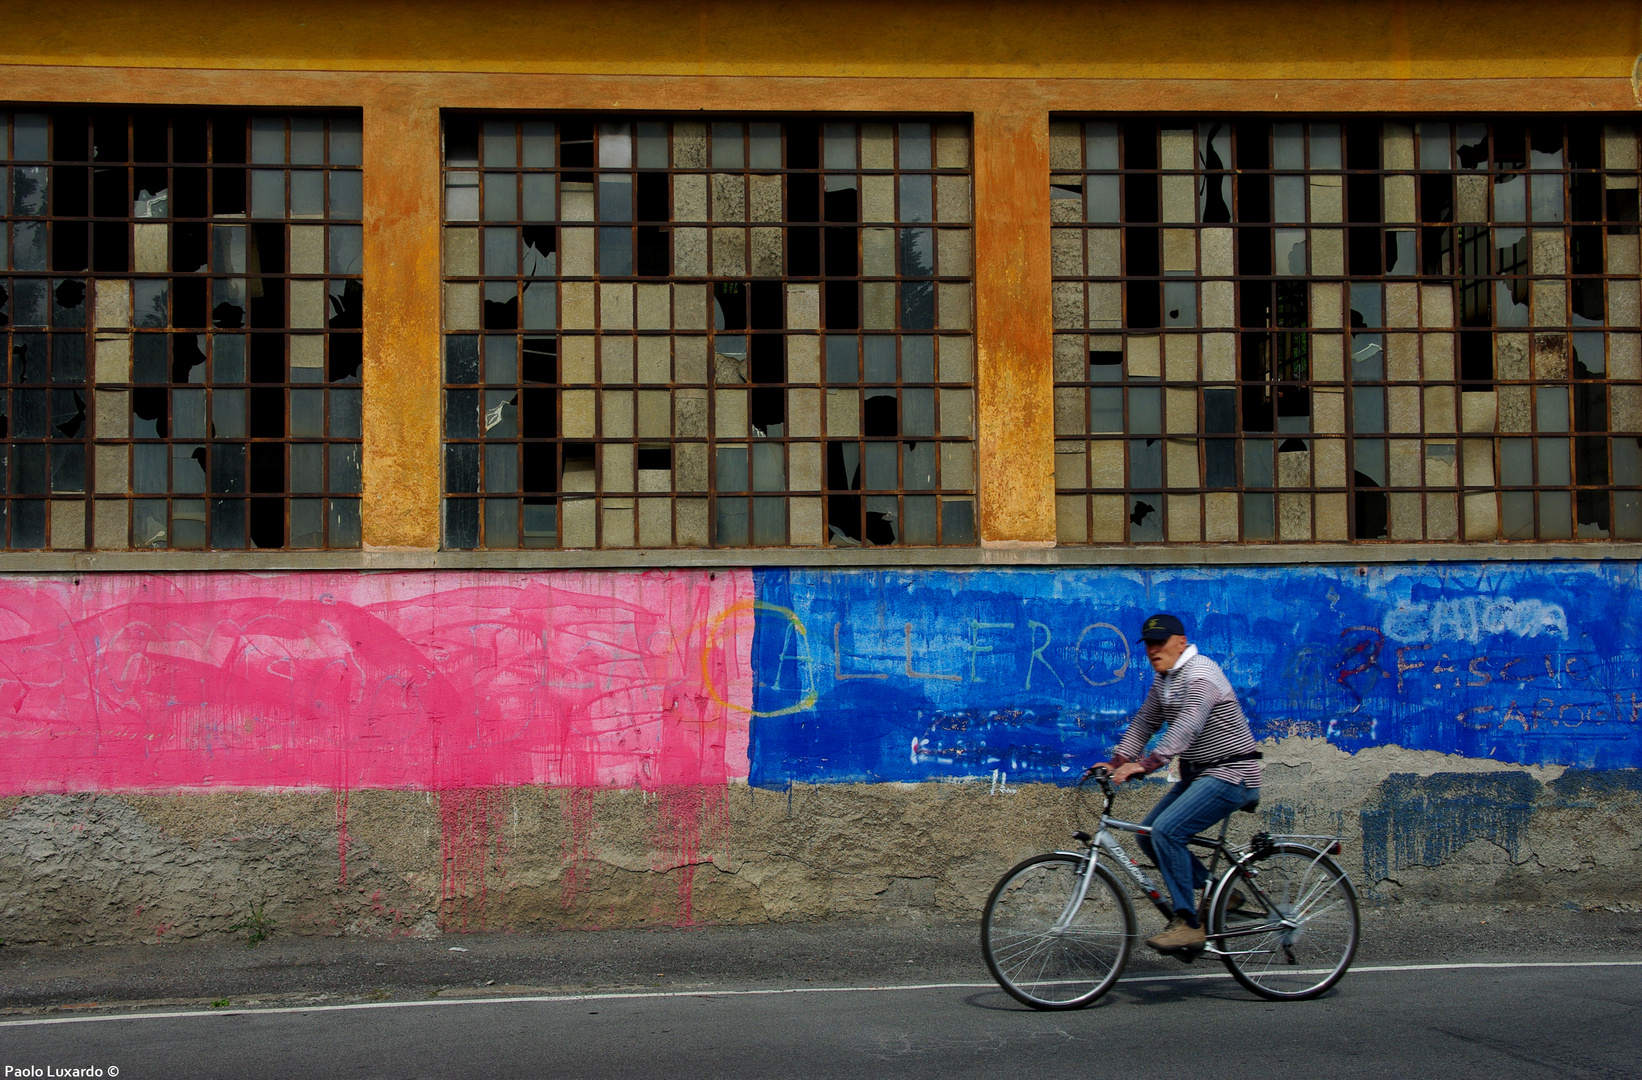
x,y
1312,330
184,354
707,333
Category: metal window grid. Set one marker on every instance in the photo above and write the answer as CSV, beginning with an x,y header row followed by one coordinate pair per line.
x,y
183,318
730,332
1314,329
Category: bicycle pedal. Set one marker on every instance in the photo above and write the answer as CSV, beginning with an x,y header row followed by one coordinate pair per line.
x,y
1186,956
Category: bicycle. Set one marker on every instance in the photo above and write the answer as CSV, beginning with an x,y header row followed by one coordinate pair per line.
x,y
1282,917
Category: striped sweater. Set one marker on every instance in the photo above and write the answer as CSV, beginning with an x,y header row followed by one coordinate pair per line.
x,y
1205,722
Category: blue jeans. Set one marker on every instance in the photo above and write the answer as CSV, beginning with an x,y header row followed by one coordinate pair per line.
x,y
1185,810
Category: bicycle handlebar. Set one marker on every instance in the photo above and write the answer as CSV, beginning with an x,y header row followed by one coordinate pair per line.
x,y
1102,776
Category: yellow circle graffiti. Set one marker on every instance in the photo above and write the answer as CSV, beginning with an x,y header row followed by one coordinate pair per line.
x,y
1121,668
713,634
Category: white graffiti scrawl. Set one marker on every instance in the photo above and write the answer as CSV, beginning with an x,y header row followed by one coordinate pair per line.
x,y
1472,618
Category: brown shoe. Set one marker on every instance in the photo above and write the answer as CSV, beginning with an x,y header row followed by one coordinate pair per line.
x,y
1178,936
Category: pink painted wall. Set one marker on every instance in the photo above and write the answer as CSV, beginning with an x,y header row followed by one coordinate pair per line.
x,y
345,680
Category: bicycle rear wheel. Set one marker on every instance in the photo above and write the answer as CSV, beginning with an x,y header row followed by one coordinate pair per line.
x,y
1293,931
1045,955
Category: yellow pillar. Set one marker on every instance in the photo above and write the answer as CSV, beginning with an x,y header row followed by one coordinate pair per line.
x,y
402,426
1014,382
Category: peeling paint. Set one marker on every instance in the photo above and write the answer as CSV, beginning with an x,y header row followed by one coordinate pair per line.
x,y
1422,820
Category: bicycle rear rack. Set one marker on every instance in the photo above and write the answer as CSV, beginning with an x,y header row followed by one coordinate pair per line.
x,y
1262,844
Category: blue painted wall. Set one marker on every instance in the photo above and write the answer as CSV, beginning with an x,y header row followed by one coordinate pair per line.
x,y
927,674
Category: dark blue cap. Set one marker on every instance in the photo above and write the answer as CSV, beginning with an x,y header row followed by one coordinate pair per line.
x,y
1161,627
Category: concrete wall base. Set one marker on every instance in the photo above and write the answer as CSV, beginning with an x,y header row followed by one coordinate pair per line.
x,y
1418,827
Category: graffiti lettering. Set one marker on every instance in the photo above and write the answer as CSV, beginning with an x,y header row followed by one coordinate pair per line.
x,y
1471,618
1102,656
838,671
976,648
1464,718
1404,666
1368,650
749,607
1037,653
1514,715
795,634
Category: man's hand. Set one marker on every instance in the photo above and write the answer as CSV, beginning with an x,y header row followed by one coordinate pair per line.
x,y
1123,772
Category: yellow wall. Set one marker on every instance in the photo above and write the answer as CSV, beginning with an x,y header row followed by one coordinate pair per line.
x,y
1206,39
1008,66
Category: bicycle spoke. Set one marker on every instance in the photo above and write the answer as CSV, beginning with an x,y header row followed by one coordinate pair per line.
x,y
1039,947
1023,947
1096,966
1321,890
1076,948
1312,916
1018,942
1039,943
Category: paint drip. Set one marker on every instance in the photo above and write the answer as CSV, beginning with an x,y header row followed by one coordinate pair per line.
x,y
576,806
343,840
472,850
690,820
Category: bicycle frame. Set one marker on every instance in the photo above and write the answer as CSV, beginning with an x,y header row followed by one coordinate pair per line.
x,y
1104,841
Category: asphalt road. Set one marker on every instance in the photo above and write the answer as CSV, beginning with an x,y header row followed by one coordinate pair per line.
x,y
297,970
1573,1019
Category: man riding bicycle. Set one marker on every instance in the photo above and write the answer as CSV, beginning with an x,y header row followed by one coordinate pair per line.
x,y
1219,766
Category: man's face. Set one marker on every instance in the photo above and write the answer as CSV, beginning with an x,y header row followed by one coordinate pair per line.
x,y
1163,654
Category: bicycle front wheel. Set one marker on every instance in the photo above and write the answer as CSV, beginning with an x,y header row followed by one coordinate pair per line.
x,y
1287,923
1045,949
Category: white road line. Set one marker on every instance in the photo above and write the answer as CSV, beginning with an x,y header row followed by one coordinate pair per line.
x,y
642,994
